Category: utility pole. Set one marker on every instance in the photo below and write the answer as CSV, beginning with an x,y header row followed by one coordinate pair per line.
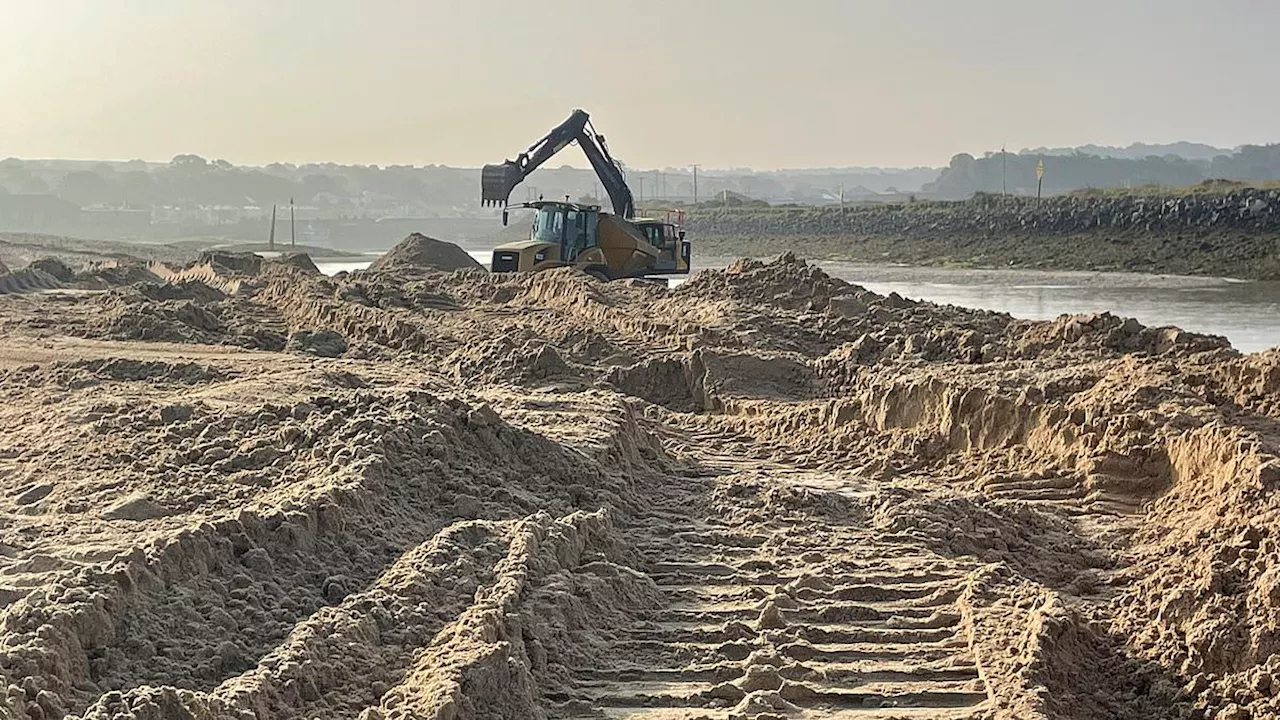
x,y
271,237
841,198
1004,167
293,230
695,184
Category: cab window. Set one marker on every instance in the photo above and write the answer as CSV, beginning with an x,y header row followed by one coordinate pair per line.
x,y
577,238
548,226
653,233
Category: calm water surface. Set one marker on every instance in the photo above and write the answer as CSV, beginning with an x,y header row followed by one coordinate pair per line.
x,y
1247,313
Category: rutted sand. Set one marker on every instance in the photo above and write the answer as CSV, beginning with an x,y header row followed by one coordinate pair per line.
x,y
237,491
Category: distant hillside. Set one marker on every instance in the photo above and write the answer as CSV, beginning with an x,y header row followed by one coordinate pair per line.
x,y
1016,173
1137,151
367,207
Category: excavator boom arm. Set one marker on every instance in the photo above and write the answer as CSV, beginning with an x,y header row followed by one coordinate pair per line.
x,y
497,181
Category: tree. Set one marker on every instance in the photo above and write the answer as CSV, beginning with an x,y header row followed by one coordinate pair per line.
x,y
33,185
139,188
189,162
84,188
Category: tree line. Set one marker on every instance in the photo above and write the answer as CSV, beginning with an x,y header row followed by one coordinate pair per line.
x,y
1016,173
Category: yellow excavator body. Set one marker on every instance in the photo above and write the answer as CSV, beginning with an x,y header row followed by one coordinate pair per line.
x,y
598,243
606,245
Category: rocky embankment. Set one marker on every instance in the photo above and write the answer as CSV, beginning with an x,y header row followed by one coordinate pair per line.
x,y
1235,234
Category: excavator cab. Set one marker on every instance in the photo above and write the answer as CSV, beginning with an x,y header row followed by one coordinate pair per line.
x,y
572,228
570,234
561,232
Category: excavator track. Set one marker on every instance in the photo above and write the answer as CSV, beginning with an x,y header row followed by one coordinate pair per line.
x,y
785,617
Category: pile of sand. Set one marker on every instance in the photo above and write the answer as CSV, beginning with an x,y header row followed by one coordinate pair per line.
x,y
299,261
54,267
239,263
27,280
103,276
421,252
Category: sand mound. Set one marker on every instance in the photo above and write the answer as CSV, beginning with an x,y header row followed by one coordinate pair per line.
x,y
27,280
421,252
239,263
298,261
102,276
54,267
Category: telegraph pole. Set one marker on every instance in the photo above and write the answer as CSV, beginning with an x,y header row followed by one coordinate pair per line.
x,y
271,237
1004,166
695,184
293,230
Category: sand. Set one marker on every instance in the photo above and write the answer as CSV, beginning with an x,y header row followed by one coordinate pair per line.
x,y
765,494
418,252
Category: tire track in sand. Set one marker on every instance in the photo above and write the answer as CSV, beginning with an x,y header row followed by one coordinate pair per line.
x,y
777,615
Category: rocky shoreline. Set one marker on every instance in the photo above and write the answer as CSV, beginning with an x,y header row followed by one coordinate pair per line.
x,y
1234,234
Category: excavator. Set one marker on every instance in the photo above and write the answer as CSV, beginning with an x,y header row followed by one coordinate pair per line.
x,y
608,246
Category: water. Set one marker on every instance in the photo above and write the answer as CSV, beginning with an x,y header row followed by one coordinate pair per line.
x,y
333,267
1247,313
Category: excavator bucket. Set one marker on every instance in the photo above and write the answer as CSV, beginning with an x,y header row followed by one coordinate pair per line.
x,y
497,181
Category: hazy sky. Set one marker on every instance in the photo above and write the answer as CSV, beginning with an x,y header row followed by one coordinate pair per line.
x,y
761,83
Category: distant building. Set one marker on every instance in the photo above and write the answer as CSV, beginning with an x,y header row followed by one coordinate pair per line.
x,y
122,220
